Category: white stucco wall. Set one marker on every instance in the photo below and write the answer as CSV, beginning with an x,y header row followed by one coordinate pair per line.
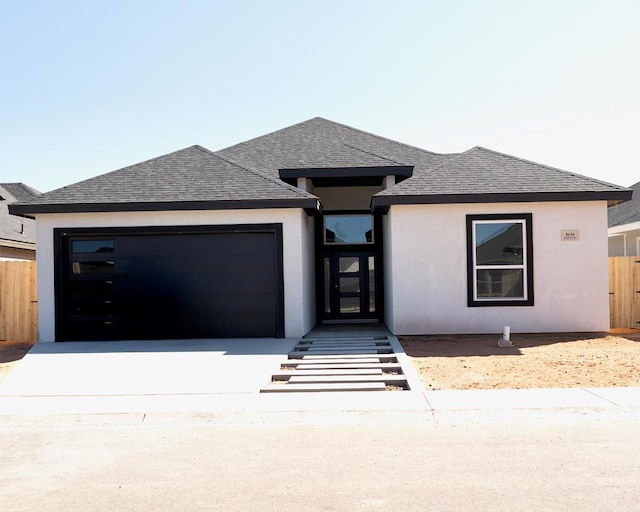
x,y
426,288
299,300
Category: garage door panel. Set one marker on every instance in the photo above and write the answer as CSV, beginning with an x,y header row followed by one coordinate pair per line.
x,y
225,285
179,286
203,244
192,265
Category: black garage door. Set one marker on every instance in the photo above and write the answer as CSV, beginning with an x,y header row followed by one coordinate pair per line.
x,y
170,283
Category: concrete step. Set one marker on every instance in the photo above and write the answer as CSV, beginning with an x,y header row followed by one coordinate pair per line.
x,y
342,342
330,386
351,365
387,379
326,372
338,363
341,347
301,362
346,338
340,350
308,357
329,352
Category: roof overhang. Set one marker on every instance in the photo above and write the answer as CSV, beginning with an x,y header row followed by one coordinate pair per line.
x,y
381,204
17,245
310,205
346,176
621,229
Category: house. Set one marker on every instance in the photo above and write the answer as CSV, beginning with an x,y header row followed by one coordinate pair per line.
x,y
624,226
321,222
17,234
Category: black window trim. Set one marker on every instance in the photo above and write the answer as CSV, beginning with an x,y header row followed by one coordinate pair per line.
x,y
528,223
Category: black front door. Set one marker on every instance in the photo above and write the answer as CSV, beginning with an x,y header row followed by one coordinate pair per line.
x,y
350,285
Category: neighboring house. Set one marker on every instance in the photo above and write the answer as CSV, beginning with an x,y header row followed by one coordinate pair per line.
x,y
320,222
624,226
17,234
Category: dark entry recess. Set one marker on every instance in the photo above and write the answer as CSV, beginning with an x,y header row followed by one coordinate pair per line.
x,y
349,274
169,282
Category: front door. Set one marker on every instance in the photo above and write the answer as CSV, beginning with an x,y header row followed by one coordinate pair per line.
x,y
350,286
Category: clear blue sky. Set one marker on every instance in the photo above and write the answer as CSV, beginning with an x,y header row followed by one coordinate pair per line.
x,y
87,87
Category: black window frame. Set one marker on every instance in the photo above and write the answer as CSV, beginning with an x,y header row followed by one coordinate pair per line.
x,y
527,220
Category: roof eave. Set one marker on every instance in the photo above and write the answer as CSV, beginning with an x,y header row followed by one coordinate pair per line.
x,y
404,171
310,205
381,204
17,245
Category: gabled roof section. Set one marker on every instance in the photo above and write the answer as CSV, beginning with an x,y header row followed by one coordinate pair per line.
x,y
480,175
322,144
189,179
626,213
14,231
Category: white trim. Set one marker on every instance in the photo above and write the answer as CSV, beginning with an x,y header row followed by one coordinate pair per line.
x,y
615,230
522,266
18,245
624,242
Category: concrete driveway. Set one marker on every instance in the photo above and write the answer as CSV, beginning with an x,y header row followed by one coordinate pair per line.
x,y
221,375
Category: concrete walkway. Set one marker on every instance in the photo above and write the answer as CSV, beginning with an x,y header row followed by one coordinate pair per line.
x,y
225,376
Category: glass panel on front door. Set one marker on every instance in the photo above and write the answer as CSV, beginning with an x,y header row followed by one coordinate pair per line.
x,y
349,282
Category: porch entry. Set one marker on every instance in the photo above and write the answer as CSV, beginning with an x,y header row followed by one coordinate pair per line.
x,y
349,284
349,278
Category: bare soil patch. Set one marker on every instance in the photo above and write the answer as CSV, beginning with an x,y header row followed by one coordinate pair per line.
x,y
10,353
536,360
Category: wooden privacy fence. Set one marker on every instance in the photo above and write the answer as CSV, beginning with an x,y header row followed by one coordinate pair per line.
x,y
18,301
624,292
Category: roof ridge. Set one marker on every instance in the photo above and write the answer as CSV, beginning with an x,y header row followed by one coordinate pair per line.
x,y
381,137
575,174
23,186
253,171
267,134
372,153
454,156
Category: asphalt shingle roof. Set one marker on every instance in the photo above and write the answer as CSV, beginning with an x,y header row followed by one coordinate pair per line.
x,y
248,173
188,176
14,228
483,171
626,213
320,143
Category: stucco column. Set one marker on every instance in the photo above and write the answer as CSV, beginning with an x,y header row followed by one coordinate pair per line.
x,y
389,181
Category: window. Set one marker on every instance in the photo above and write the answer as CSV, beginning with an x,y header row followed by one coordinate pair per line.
x,y
348,229
92,246
499,260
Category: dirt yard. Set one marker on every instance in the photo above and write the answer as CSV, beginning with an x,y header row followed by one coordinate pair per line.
x,y
10,353
535,361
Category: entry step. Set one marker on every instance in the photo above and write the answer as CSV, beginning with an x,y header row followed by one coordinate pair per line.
x,y
309,388
326,372
346,353
346,365
333,357
387,379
